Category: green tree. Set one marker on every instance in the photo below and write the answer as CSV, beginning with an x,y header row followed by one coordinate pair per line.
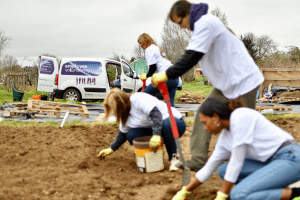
x,y
249,41
294,53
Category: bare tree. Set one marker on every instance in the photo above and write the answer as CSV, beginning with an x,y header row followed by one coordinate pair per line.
x,y
138,52
4,42
117,57
265,46
219,14
173,44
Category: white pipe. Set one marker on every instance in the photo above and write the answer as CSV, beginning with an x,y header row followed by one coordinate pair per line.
x,y
66,116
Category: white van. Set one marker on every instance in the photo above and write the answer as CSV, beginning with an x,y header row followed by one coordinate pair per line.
x,y
85,78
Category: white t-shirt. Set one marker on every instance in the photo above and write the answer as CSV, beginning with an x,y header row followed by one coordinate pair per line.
x,y
152,55
226,62
251,136
141,106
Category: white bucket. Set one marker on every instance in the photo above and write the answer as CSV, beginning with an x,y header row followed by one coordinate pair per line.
x,y
148,160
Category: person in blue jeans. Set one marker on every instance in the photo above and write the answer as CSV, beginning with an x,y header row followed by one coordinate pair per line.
x,y
139,115
263,158
157,64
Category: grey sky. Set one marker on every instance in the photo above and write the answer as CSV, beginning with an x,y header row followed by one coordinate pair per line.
x,y
97,28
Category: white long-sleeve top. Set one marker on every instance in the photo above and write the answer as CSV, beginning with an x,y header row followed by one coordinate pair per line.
x,y
141,106
251,136
226,62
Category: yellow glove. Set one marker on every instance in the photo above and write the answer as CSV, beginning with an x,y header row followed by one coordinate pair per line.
x,y
181,195
159,77
221,196
105,152
155,142
143,76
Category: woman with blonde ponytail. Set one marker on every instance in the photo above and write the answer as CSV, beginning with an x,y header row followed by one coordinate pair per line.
x,y
157,64
263,158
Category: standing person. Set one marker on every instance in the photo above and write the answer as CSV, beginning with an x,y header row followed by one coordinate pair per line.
x,y
156,63
224,60
263,158
141,115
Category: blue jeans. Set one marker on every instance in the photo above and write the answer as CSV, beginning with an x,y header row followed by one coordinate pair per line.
x,y
266,180
166,134
172,87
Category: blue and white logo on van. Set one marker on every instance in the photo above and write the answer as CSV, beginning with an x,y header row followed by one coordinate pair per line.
x,y
47,67
82,68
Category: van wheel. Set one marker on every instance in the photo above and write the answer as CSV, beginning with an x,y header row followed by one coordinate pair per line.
x,y
72,94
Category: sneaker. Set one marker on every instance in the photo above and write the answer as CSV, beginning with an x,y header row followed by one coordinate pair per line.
x,y
173,163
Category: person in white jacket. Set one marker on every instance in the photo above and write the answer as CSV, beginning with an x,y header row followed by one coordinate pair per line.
x,y
263,158
224,61
157,64
141,114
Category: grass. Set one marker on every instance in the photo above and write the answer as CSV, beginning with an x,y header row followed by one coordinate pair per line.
x,y
7,97
195,88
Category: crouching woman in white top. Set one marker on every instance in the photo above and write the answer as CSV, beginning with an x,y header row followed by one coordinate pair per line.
x,y
264,159
141,114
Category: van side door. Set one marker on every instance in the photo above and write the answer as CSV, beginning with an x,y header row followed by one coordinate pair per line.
x,y
47,70
127,80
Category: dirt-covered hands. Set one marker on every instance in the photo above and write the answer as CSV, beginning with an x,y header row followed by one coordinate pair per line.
x,y
105,152
155,141
182,194
221,196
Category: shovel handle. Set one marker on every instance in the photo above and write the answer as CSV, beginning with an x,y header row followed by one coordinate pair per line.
x,y
164,91
144,85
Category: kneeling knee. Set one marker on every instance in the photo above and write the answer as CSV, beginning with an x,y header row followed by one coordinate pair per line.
x,y
237,194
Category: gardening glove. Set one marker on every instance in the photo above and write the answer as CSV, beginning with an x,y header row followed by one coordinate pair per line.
x,y
155,141
158,78
221,196
105,152
143,77
181,195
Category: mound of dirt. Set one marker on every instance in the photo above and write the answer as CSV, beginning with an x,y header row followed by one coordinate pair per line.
x,y
61,163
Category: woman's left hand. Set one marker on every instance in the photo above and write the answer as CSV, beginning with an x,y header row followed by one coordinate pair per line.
x,y
155,142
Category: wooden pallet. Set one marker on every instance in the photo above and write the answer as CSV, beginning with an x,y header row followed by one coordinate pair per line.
x,y
186,113
46,109
290,99
54,109
260,108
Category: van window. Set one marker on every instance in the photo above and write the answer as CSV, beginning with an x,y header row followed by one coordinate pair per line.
x,y
126,69
82,68
47,67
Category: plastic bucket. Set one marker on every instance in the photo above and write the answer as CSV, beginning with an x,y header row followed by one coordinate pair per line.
x,y
148,160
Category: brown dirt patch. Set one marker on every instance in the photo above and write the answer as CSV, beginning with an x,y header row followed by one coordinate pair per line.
x,y
54,163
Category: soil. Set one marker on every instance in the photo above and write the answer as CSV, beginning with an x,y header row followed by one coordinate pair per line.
x,y
61,163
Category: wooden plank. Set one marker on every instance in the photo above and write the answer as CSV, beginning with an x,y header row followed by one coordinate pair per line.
x,y
186,112
29,107
260,108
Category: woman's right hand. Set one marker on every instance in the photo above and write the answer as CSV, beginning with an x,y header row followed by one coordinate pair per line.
x,y
143,77
105,152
